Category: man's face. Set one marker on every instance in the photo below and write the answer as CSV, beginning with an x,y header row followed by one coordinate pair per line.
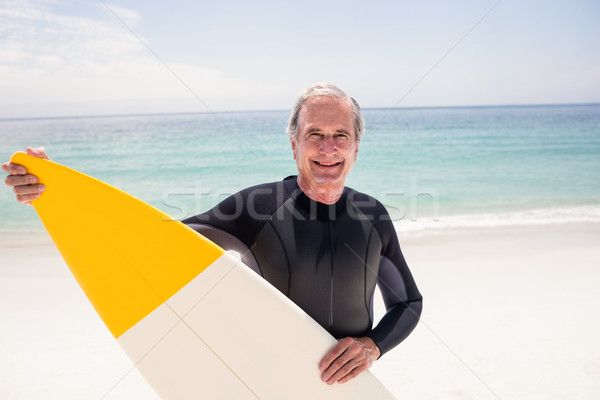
x,y
325,149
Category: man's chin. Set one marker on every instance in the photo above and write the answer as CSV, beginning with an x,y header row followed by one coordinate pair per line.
x,y
329,180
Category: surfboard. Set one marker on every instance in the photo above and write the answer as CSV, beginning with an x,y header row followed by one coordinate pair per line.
x,y
194,320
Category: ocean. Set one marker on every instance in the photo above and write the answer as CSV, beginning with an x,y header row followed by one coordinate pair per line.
x,y
432,168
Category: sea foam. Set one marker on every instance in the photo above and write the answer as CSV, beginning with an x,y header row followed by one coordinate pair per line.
x,y
540,216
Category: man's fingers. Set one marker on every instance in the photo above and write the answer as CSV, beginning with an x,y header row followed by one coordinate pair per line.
x,y
16,169
24,187
13,169
349,371
353,374
24,184
344,369
28,189
39,152
334,353
349,358
20,180
26,199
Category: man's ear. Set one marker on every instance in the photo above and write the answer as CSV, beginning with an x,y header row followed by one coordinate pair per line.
x,y
355,151
293,147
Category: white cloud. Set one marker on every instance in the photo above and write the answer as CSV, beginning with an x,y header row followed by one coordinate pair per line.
x,y
46,57
130,17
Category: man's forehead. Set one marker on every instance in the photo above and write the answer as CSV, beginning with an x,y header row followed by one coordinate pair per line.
x,y
326,108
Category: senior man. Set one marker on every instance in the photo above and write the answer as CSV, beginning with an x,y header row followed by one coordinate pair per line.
x,y
323,245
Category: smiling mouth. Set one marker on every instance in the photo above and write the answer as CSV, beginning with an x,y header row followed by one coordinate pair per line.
x,y
325,164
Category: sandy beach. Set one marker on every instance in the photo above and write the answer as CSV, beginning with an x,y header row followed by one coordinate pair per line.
x,y
509,313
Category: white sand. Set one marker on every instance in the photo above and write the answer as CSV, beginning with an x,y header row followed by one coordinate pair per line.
x,y
510,313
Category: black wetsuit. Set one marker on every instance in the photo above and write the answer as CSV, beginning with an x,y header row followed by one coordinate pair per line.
x,y
325,258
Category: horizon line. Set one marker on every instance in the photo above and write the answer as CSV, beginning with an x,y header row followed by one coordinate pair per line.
x,y
288,110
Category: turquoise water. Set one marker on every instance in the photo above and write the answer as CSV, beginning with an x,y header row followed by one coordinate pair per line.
x,y
456,166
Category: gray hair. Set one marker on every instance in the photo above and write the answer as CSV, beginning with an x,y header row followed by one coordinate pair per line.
x,y
325,89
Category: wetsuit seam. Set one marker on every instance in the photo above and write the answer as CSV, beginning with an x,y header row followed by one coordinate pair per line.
x,y
262,274
261,227
366,270
287,258
375,214
366,218
366,266
268,220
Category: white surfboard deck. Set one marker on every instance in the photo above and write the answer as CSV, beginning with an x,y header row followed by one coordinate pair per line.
x,y
193,328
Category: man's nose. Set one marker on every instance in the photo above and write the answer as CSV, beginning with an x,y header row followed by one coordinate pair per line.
x,y
328,146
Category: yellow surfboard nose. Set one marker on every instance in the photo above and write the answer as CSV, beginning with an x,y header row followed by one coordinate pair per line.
x,y
121,293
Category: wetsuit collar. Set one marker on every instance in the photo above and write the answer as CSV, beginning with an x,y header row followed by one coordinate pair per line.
x,y
321,210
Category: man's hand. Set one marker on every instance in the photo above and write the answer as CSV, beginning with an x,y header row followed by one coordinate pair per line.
x,y
24,184
348,359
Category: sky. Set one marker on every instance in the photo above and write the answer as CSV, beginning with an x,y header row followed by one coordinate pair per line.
x,y
67,57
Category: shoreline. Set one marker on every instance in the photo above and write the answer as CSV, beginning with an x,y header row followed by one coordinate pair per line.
x,y
26,238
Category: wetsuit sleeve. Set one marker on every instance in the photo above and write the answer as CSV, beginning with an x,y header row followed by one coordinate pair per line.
x,y
402,299
243,214
228,242
234,223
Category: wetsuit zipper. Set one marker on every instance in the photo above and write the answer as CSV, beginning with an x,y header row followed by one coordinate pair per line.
x,y
331,277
